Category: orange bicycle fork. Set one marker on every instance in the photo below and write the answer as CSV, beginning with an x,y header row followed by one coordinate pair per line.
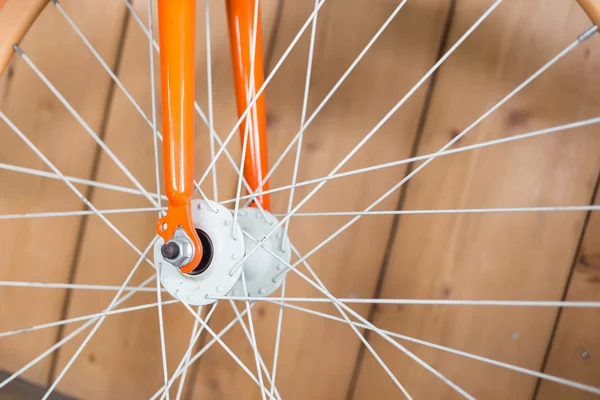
x,y
176,20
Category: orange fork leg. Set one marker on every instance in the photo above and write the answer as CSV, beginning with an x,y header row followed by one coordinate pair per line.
x,y
240,15
176,21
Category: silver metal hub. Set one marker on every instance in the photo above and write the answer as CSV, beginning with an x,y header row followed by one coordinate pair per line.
x,y
220,276
263,272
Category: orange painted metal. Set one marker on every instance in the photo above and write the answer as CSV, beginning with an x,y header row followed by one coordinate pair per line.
x,y
240,15
176,22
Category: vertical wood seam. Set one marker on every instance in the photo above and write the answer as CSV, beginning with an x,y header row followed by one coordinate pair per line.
x,y
576,254
443,41
89,192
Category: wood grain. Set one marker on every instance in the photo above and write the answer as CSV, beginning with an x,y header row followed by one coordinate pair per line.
x,y
43,249
492,256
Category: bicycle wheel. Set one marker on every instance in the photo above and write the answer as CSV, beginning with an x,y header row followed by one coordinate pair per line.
x,y
442,220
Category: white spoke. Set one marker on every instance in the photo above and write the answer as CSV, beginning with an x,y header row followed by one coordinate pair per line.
x,y
77,286
193,339
153,100
277,340
253,344
79,213
84,125
311,49
304,126
249,121
540,132
90,335
261,89
37,172
64,340
450,350
187,356
220,341
48,163
448,211
204,349
161,327
209,83
249,336
85,317
371,133
442,302
190,346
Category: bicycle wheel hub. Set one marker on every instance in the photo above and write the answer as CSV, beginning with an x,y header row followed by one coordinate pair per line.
x,y
219,272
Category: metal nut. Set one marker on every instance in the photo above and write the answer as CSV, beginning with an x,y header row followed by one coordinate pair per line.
x,y
184,252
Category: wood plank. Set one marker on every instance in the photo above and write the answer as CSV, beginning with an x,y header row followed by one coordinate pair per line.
x,y
574,349
316,356
492,256
43,249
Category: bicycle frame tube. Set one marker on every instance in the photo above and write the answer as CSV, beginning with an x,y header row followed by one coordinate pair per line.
x,y
240,15
176,21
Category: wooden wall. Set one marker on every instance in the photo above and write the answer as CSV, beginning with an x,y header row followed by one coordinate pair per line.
x,y
515,256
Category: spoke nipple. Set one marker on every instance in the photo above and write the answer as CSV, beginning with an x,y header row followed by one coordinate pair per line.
x,y
169,250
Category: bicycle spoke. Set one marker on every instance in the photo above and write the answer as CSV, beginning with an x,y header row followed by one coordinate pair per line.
x,y
511,367
448,211
161,327
253,344
84,124
77,286
84,317
79,213
223,345
440,302
249,121
378,167
273,391
186,356
70,336
209,90
37,172
153,101
277,341
185,359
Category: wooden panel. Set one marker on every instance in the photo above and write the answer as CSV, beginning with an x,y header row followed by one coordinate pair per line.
x,y
43,249
574,350
492,256
316,356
